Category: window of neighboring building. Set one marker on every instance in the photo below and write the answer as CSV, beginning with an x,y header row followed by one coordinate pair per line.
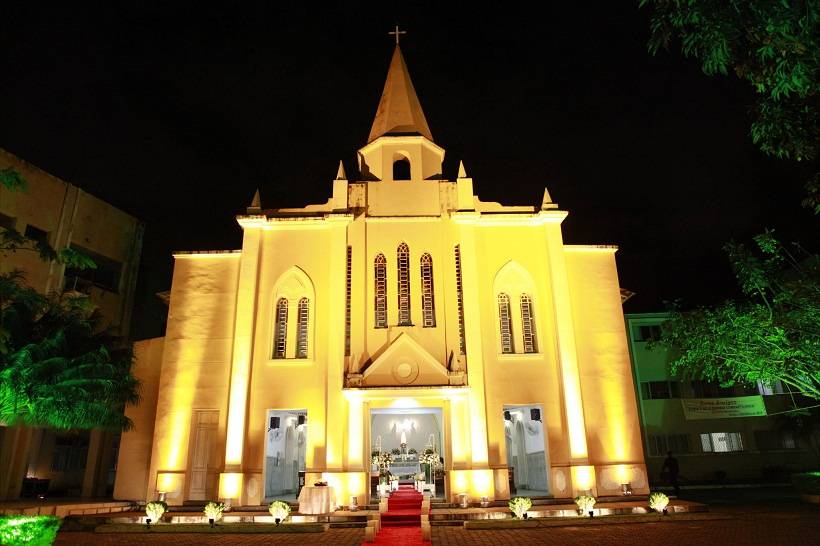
x,y
302,322
528,324
403,272
505,323
36,234
428,303
721,442
70,453
280,335
710,389
7,222
647,332
106,275
656,390
772,440
660,444
380,280
462,344
401,169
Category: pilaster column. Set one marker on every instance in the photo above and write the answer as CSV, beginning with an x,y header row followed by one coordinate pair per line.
x,y
565,334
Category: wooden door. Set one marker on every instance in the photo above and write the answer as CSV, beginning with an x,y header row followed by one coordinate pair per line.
x,y
203,442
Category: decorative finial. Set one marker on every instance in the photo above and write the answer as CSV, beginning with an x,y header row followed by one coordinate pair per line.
x,y
462,172
397,32
256,203
340,174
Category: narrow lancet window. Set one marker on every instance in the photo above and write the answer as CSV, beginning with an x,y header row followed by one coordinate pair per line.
x,y
428,303
403,269
348,281
505,324
528,324
462,345
280,335
380,277
303,319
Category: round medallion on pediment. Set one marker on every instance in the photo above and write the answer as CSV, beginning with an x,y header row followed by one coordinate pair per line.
x,y
405,372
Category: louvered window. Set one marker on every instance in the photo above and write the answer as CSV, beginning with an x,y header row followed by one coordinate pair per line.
x,y
280,335
428,303
505,323
403,270
528,324
462,345
302,323
380,277
348,279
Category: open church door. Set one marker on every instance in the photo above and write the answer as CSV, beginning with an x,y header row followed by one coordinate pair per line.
x,y
285,450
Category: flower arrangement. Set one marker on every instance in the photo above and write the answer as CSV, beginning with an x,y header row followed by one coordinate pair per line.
x,y
154,511
585,502
213,511
413,451
519,506
658,501
429,458
395,451
279,510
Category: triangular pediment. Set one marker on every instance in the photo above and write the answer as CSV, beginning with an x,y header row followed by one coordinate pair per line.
x,y
405,363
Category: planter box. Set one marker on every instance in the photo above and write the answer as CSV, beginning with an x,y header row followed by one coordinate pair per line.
x,y
225,528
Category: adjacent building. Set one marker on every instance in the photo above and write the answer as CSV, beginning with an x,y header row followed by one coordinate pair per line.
x,y
403,313
71,463
718,434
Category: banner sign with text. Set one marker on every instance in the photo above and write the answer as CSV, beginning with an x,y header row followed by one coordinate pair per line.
x,y
723,408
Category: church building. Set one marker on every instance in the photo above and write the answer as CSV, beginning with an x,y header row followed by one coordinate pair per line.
x,y
404,316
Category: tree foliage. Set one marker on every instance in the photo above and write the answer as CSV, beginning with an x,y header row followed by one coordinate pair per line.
x,y
771,44
771,334
58,368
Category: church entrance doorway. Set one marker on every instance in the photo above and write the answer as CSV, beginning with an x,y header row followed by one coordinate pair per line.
x,y
285,449
407,449
526,445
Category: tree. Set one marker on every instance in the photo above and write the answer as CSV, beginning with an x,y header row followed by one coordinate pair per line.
x,y
772,44
57,367
771,334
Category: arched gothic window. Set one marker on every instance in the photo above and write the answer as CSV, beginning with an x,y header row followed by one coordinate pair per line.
x,y
380,277
280,335
302,328
401,169
428,303
505,323
462,345
403,269
528,324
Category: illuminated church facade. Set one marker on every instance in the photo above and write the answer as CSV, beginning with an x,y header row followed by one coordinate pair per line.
x,y
404,310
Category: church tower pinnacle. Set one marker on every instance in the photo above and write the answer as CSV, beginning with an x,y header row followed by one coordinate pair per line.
x,y
399,111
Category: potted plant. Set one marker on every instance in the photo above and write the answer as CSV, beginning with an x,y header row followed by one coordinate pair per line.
x,y
213,511
395,451
519,506
585,504
279,510
35,530
658,502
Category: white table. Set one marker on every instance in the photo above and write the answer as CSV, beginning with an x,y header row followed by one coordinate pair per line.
x,y
317,500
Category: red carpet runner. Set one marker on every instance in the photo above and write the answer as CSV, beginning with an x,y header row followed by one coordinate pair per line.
x,y
401,524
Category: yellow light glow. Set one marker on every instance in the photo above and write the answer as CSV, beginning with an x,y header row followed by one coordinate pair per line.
x,y
482,482
460,481
355,433
230,485
624,473
169,482
405,403
583,477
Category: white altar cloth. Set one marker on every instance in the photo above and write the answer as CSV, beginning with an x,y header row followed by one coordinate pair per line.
x,y
317,500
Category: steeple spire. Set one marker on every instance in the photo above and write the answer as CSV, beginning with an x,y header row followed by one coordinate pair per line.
x,y
399,110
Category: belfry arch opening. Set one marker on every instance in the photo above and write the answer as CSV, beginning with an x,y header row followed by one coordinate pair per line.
x,y
401,168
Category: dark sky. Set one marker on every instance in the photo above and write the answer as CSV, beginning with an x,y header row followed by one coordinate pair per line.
x,y
176,114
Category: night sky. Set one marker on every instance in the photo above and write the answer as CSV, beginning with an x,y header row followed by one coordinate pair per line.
x,y
177,114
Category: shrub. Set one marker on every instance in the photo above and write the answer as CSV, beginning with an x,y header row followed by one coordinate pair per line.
x,y
658,501
585,502
155,509
213,510
29,530
519,506
279,510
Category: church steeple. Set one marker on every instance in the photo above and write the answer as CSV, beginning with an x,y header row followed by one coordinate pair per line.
x,y
399,111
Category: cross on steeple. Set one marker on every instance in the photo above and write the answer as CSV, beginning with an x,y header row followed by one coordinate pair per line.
x,y
397,32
